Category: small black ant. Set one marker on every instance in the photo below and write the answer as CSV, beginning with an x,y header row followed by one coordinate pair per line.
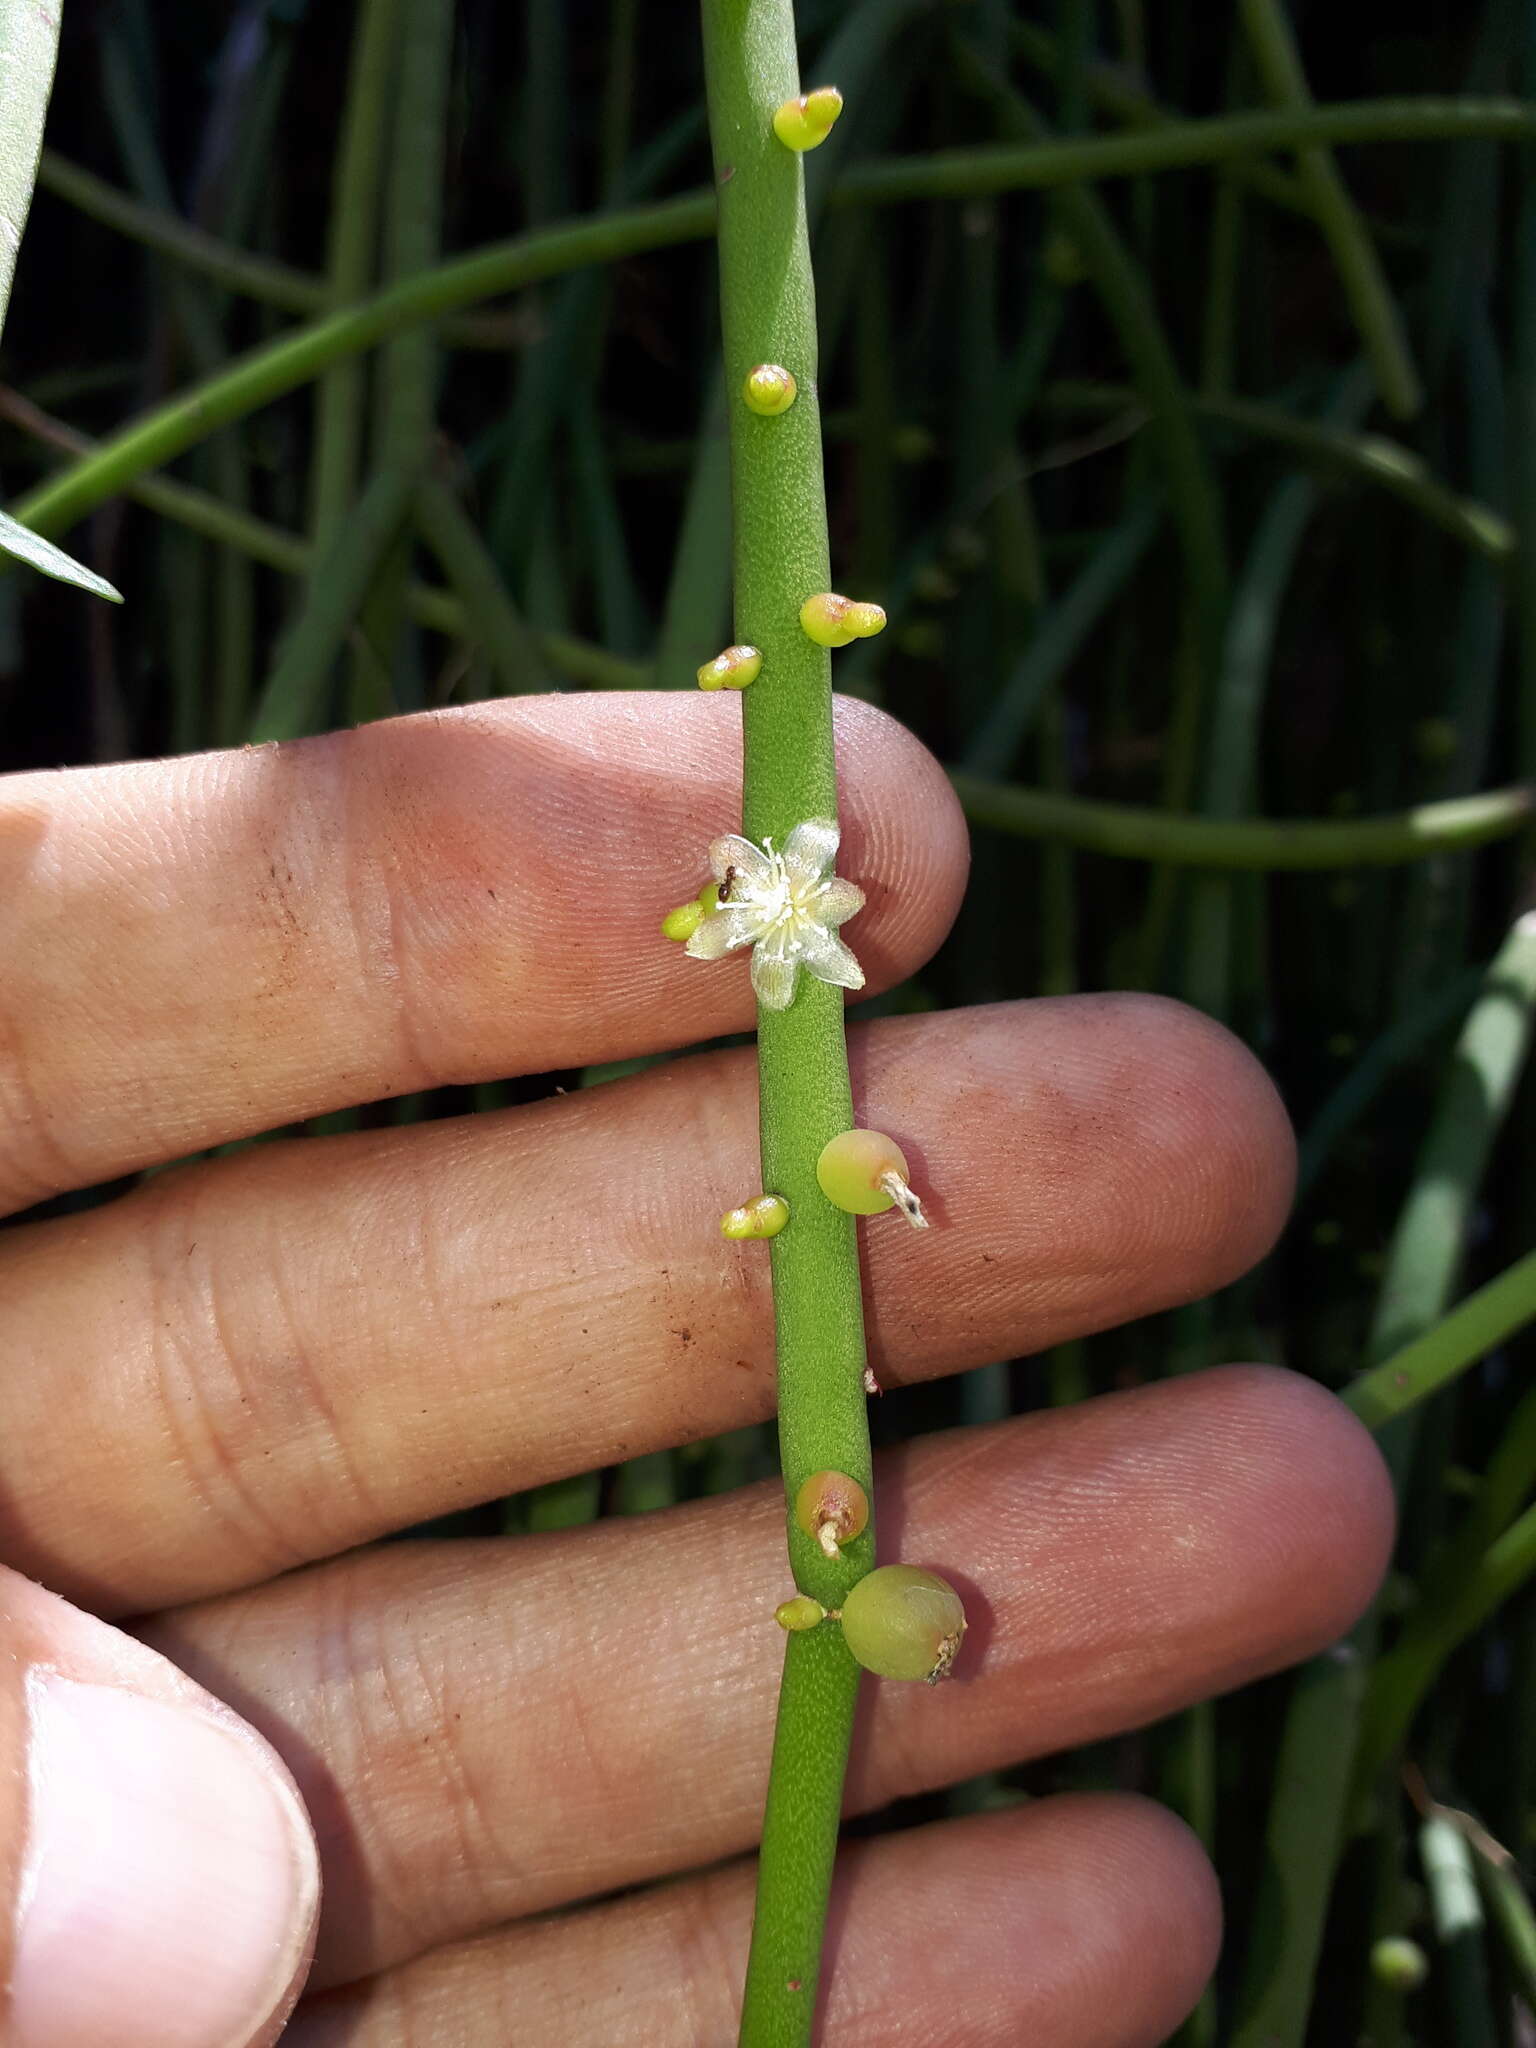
x,y
725,886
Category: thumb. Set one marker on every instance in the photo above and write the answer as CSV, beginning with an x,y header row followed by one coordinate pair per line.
x,y
158,1877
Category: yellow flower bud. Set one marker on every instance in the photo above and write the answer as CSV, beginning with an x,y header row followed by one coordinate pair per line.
x,y
769,389
763,1216
832,621
865,621
684,921
803,123
731,670
800,1613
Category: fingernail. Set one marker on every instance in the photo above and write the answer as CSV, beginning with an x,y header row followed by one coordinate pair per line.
x,y
169,1882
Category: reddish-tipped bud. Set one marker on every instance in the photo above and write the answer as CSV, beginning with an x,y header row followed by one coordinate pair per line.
x,y
769,389
832,1508
731,670
803,123
763,1216
832,621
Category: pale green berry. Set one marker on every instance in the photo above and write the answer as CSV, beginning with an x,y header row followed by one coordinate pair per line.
x,y
833,1508
800,1613
731,670
865,1172
803,123
763,1216
1399,1962
769,389
832,621
684,921
902,1622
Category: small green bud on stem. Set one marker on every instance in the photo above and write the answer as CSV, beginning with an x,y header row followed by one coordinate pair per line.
x,y
806,122
769,388
832,621
865,1172
800,1613
732,669
833,1508
763,1216
902,1622
684,921
1399,1962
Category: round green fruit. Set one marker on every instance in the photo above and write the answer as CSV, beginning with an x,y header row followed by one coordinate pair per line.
x,y
852,1166
902,1622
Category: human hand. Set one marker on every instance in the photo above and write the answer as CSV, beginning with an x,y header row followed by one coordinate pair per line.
x,y
214,1387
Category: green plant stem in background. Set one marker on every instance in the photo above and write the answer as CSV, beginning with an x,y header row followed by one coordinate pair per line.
x,y
405,395
1459,1927
1436,1220
253,277
1114,94
1121,285
1234,738
1390,1051
1301,1847
294,696
490,617
1058,636
352,259
1178,144
261,278
1008,167
781,557
446,611
268,373
1137,832
1510,1911
1458,1341
1362,458
1422,1267
1489,1560
1376,316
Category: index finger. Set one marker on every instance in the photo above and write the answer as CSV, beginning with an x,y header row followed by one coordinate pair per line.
x,y
201,949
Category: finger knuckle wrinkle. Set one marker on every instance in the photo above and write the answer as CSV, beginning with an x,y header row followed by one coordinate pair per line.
x,y
241,1404
34,1161
387,850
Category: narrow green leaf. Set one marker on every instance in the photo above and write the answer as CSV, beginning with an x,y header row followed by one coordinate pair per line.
x,y
30,547
29,41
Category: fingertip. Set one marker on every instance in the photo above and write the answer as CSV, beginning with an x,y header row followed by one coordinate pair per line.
x,y
1083,1918
1168,1889
1319,1485
1219,1109
168,1879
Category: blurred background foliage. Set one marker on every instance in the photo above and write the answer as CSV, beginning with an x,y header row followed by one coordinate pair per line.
x,y
1200,496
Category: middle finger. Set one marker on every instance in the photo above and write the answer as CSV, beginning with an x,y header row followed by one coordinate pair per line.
x,y
485,1730
274,1357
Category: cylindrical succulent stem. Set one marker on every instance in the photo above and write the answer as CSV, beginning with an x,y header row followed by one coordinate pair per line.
x,y
780,559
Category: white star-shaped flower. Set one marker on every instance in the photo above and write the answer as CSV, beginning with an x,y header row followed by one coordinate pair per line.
x,y
786,906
